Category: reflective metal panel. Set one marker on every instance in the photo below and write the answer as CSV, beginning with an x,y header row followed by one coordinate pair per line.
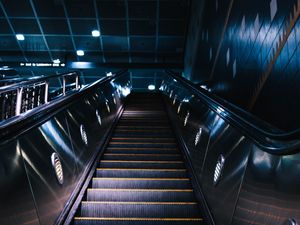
x,y
270,193
16,201
37,147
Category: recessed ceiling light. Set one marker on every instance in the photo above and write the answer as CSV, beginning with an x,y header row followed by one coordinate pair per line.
x,y
56,61
151,87
20,37
80,52
95,33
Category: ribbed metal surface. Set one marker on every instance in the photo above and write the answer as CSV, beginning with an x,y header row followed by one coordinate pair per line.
x,y
141,178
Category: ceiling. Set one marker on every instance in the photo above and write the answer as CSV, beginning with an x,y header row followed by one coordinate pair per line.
x,y
132,31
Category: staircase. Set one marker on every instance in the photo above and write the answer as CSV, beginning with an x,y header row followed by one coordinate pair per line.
x,y
141,178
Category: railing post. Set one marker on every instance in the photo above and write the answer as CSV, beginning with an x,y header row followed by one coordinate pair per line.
x,y
77,82
64,85
46,91
19,101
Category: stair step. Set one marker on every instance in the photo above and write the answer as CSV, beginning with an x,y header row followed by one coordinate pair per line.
x,y
142,144
142,150
141,195
115,156
141,164
139,172
144,134
137,221
141,183
145,122
140,209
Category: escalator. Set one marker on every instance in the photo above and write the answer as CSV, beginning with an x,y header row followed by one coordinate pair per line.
x,y
141,177
97,155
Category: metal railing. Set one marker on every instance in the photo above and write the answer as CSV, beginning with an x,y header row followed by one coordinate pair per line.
x,y
23,96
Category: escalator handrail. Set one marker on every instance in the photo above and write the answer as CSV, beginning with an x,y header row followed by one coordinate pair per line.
x,y
32,80
14,126
275,142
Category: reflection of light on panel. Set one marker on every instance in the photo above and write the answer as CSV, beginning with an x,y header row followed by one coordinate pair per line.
x,y
125,91
218,123
220,110
54,139
32,166
262,160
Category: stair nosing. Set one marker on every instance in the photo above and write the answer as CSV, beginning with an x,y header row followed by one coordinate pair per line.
x,y
138,203
138,219
141,190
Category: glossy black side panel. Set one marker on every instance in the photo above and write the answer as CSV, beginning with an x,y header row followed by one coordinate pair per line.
x,y
37,147
270,192
254,187
16,202
30,191
207,136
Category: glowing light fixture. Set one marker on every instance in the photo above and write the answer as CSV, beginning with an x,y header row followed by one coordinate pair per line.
x,y
109,74
56,61
20,37
151,87
95,33
80,52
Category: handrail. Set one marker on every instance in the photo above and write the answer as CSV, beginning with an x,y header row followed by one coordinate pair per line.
x,y
275,141
34,80
17,98
18,124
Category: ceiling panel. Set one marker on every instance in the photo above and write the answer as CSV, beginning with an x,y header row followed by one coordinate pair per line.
x,y
55,26
135,31
80,8
9,43
83,27
142,9
111,9
173,9
25,26
34,43
142,27
113,27
115,44
170,44
57,43
15,8
87,43
5,29
117,57
140,44
144,57
176,28
46,8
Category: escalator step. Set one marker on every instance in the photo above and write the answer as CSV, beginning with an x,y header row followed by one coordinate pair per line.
x,y
144,134
137,221
136,173
140,209
142,144
141,183
115,156
138,150
140,195
141,164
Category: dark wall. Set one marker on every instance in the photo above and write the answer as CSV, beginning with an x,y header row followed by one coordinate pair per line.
x,y
247,52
